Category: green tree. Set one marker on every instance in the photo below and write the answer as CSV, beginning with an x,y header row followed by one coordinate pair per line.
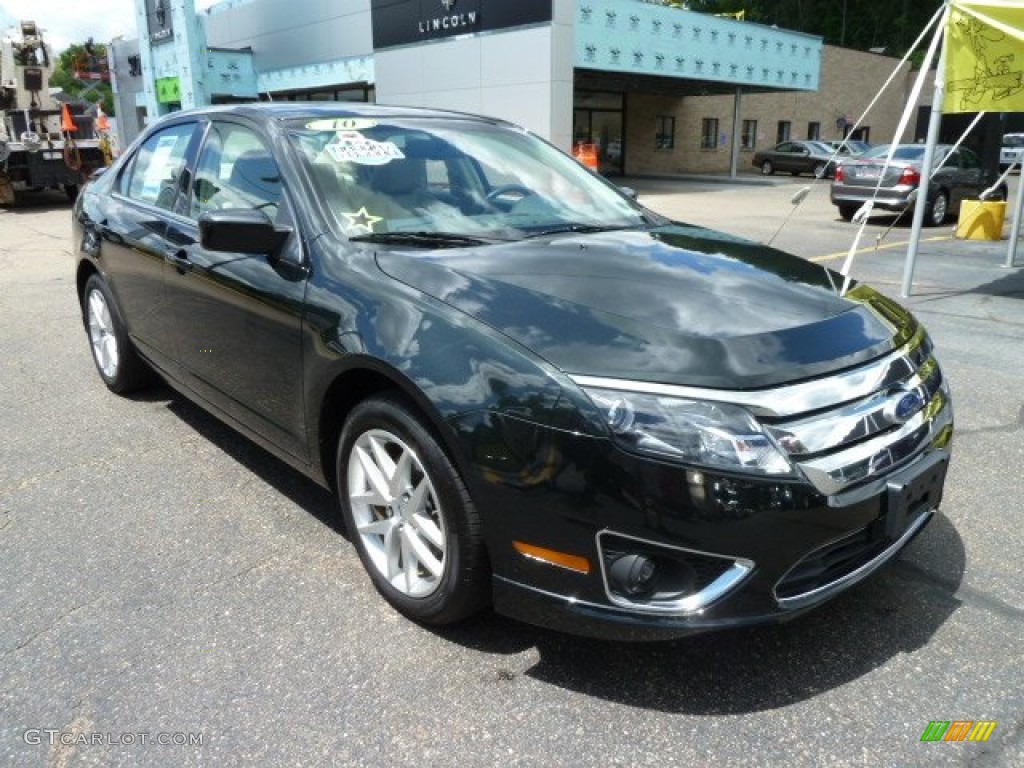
x,y
80,57
859,24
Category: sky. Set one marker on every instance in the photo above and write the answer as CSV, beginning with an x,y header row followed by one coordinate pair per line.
x,y
74,21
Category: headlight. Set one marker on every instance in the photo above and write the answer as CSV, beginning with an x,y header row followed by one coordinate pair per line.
x,y
701,432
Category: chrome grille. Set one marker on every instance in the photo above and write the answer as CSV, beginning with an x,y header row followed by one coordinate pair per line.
x,y
874,433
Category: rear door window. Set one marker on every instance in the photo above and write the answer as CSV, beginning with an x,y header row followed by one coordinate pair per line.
x,y
155,173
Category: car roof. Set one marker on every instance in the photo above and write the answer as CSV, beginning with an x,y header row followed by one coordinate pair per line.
x,y
297,110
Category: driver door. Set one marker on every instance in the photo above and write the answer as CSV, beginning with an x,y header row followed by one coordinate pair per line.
x,y
239,314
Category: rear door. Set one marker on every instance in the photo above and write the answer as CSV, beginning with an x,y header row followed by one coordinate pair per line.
x,y
134,241
238,315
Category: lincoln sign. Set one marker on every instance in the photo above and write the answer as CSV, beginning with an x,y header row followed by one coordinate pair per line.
x,y
404,22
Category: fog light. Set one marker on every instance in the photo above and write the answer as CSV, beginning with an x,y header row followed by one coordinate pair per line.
x,y
647,576
634,576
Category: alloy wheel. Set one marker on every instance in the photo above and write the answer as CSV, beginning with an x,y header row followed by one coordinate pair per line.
x,y
397,514
939,209
101,335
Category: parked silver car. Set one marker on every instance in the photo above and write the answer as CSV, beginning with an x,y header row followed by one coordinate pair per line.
x,y
960,176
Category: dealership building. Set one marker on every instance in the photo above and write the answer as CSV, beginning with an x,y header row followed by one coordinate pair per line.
x,y
655,88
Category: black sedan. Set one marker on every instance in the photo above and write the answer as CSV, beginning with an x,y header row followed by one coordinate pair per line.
x,y
894,186
797,157
526,389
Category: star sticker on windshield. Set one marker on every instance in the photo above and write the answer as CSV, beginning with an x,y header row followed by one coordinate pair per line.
x,y
361,220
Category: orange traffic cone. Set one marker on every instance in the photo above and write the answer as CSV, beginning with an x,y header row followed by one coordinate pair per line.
x,y
102,124
66,123
586,154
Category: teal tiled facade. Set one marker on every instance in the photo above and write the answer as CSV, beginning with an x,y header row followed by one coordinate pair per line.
x,y
636,37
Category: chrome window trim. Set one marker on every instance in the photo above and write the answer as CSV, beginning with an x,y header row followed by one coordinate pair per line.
x,y
790,399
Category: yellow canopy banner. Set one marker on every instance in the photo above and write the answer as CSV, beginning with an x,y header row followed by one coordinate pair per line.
x,y
985,56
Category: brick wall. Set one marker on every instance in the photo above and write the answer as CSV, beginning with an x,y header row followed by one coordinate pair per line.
x,y
849,81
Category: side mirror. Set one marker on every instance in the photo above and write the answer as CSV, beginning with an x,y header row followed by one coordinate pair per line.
x,y
241,230
628,192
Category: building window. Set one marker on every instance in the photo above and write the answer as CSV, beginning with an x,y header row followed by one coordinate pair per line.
x,y
784,130
709,133
813,131
665,136
345,93
748,139
861,134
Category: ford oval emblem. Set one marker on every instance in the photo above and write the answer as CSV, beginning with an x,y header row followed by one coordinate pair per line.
x,y
901,406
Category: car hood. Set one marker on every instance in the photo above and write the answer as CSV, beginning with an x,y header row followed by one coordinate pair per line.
x,y
677,305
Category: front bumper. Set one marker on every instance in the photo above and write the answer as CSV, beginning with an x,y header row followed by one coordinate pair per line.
x,y
566,613
593,539
753,550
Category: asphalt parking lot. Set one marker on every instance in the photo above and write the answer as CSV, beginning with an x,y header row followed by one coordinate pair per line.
x,y
164,580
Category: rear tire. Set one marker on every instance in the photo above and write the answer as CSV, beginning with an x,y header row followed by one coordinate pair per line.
x,y
410,515
71,190
117,362
938,210
846,212
819,171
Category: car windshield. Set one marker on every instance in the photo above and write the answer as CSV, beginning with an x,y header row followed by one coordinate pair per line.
x,y
407,179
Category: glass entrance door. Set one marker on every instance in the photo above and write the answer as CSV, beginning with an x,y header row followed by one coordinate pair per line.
x,y
597,120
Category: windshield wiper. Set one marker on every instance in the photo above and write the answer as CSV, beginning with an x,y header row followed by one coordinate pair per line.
x,y
432,239
576,227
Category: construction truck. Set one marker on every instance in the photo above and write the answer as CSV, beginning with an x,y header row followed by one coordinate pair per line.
x,y
43,145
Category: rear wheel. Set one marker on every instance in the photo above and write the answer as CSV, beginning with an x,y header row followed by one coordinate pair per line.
x,y
1002,193
938,209
71,190
120,367
409,514
846,212
819,170
767,169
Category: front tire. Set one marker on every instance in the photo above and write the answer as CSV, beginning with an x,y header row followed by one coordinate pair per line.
x,y
409,514
117,362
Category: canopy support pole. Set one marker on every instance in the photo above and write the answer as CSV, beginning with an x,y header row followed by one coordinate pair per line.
x,y
921,204
1011,251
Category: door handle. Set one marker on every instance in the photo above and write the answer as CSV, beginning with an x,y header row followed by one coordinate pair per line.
x,y
180,261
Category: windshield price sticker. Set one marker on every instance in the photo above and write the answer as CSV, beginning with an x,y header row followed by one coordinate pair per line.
x,y
353,147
